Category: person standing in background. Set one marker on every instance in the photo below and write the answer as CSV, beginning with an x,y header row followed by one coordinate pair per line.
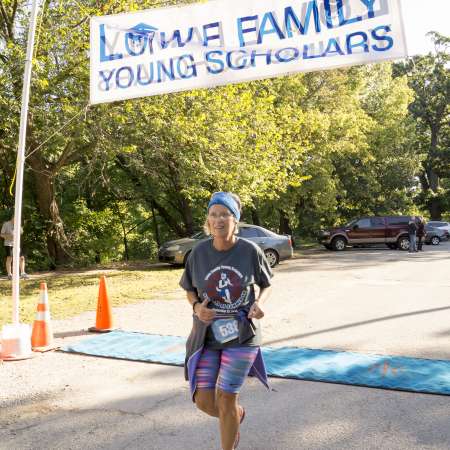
x,y
7,234
412,231
420,233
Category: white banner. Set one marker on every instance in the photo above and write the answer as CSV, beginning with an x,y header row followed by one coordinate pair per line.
x,y
209,44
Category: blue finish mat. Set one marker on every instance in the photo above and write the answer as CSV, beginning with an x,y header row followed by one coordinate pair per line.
x,y
379,371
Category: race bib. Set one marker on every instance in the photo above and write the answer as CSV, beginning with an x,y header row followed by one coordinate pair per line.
x,y
225,330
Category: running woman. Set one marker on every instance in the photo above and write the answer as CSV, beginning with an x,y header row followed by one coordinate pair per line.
x,y
223,348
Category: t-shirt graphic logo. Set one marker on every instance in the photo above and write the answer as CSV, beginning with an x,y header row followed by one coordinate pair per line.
x,y
222,289
225,289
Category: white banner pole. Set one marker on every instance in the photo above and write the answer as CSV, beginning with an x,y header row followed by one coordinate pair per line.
x,y
21,160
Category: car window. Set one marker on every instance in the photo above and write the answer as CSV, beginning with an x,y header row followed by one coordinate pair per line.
x,y
266,233
248,232
377,222
437,224
199,235
363,223
401,220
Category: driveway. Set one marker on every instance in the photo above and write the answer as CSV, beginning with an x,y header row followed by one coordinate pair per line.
x,y
368,300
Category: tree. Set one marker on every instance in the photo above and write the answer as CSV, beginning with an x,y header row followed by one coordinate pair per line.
x,y
429,78
58,74
59,91
114,180
178,149
355,136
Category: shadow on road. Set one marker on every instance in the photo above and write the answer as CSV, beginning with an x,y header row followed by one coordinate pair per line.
x,y
308,415
74,333
357,324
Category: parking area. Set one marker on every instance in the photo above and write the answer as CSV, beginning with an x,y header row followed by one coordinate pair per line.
x,y
368,300
364,299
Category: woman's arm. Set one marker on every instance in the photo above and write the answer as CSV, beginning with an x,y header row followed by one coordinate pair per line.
x,y
264,294
255,310
192,297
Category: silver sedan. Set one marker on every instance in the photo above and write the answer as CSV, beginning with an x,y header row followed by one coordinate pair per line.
x,y
275,246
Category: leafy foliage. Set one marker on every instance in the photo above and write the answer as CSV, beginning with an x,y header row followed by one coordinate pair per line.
x,y
429,78
112,182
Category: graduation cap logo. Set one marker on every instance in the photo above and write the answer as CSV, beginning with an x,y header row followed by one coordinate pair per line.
x,y
139,34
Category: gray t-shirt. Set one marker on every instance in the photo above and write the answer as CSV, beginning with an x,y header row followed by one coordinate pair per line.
x,y
227,279
8,232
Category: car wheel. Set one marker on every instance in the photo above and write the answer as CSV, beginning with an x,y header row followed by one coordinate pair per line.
x,y
403,243
435,240
338,244
272,257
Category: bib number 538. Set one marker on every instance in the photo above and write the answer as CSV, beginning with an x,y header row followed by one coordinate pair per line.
x,y
229,328
225,330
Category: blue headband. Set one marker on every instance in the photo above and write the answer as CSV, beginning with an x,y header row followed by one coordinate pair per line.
x,y
225,199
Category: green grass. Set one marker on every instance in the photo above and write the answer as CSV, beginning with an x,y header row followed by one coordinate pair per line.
x,y
73,293
305,243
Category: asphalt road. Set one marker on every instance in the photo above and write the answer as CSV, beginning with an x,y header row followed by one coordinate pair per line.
x,y
368,300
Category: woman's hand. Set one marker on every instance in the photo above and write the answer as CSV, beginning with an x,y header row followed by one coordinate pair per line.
x,y
255,312
202,311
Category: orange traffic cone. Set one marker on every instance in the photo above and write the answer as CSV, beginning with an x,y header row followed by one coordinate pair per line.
x,y
104,320
42,335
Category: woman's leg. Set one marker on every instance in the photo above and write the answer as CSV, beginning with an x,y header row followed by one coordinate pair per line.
x,y
205,400
22,265
234,368
206,377
8,265
229,418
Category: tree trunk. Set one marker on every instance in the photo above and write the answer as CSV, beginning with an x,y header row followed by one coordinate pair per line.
x,y
188,219
181,201
155,226
285,227
255,217
148,197
126,255
48,207
435,209
434,206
